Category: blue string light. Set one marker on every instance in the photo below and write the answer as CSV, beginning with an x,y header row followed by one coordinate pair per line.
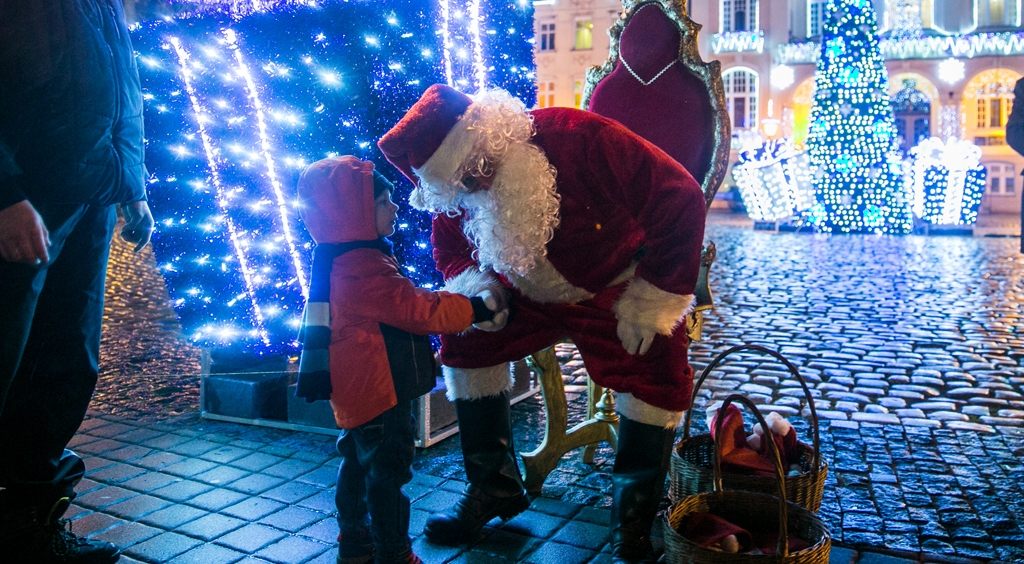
x,y
238,102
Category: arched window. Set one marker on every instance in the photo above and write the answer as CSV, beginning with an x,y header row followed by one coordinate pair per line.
x,y
912,109
987,101
739,15
741,86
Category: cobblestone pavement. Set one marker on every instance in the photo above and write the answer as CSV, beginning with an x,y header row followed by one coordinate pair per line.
x,y
910,345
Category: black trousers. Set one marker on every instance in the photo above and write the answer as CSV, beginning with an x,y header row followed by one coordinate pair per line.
x,y
376,461
50,319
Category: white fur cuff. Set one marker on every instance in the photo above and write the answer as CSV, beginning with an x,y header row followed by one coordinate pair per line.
x,y
471,282
646,306
643,412
476,383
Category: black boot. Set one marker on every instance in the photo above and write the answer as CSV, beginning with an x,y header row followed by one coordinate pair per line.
x,y
495,487
37,535
638,480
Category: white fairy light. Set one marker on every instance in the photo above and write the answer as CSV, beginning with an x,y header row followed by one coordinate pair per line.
x,y
951,71
212,164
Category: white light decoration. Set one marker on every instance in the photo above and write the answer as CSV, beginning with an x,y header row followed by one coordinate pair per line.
x,y
221,191
929,47
738,42
951,121
774,181
454,26
783,77
947,181
951,71
268,156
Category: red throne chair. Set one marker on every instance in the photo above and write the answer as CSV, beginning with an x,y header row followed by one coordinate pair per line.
x,y
656,84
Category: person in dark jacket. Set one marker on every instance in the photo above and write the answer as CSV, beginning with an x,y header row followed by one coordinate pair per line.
x,y
367,316
71,147
1015,134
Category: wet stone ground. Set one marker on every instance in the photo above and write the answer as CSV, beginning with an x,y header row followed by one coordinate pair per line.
x,y
912,348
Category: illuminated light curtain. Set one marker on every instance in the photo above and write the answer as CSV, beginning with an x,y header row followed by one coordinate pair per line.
x,y
852,137
240,97
948,181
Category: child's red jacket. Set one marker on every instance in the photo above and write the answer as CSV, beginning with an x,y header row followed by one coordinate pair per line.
x,y
367,289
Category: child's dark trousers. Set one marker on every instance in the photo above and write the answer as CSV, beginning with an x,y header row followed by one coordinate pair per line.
x,y
376,461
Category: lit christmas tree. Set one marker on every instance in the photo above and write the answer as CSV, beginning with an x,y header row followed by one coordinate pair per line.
x,y
242,95
852,138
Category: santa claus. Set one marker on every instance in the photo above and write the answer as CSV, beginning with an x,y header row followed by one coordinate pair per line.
x,y
594,235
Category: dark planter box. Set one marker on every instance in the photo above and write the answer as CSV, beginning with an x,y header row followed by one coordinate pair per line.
x,y
316,414
246,388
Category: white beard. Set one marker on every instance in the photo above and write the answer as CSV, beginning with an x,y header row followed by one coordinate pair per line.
x,y
511,223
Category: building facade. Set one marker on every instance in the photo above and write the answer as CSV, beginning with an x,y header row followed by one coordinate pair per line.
x,y
952,67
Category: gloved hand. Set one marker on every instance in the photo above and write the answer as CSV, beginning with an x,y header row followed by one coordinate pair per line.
x,y
497,304
636,338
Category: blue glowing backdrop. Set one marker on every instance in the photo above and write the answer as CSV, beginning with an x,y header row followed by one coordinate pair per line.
x,y
241,96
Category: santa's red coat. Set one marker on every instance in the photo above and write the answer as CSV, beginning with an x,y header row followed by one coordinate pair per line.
x,y
618,194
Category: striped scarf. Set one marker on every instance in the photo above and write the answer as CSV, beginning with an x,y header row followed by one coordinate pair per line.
x,y
314,362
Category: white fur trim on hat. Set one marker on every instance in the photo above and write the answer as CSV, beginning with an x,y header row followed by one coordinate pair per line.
x,y
643,412
645,305
448,160
476,383
471,282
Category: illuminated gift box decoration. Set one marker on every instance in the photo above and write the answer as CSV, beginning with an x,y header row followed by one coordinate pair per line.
x,y
241,95
774,181
948,181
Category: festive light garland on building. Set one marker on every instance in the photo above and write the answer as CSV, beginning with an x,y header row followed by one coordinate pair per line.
x,y
930,47
852,137
738,42
948,181
241,96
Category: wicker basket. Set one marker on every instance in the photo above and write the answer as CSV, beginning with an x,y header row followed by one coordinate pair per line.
x,y
750,510
692,459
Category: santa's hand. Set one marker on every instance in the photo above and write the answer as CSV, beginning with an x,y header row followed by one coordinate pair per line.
x,y
636,339
495,324
490,300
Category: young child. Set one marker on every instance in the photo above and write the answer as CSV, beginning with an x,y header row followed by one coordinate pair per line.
x,y
362,349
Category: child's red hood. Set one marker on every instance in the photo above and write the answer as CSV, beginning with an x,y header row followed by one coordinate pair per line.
x,y
336,200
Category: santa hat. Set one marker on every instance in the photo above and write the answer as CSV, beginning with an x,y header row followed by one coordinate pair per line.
x,y
419,134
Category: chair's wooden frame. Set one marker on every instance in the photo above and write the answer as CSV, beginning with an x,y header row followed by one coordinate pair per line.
x,y
601,424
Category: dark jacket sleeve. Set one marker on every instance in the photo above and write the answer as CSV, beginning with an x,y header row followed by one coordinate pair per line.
x,y
10,178
1015,123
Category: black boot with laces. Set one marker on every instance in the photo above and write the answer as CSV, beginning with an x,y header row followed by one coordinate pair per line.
x,y
38,535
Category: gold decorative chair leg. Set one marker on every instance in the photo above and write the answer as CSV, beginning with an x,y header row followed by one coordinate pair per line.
x,y
558,438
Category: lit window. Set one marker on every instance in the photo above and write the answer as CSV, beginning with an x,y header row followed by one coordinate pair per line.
x,y
815,17
741,97
577,93
993,106
1002,178
547,37
739,15
545,95
998,13
584,34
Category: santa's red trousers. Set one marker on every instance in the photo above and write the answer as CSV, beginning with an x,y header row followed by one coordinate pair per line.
x,y
662,377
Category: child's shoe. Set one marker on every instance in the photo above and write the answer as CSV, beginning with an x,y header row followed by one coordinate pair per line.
x,y
355,548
